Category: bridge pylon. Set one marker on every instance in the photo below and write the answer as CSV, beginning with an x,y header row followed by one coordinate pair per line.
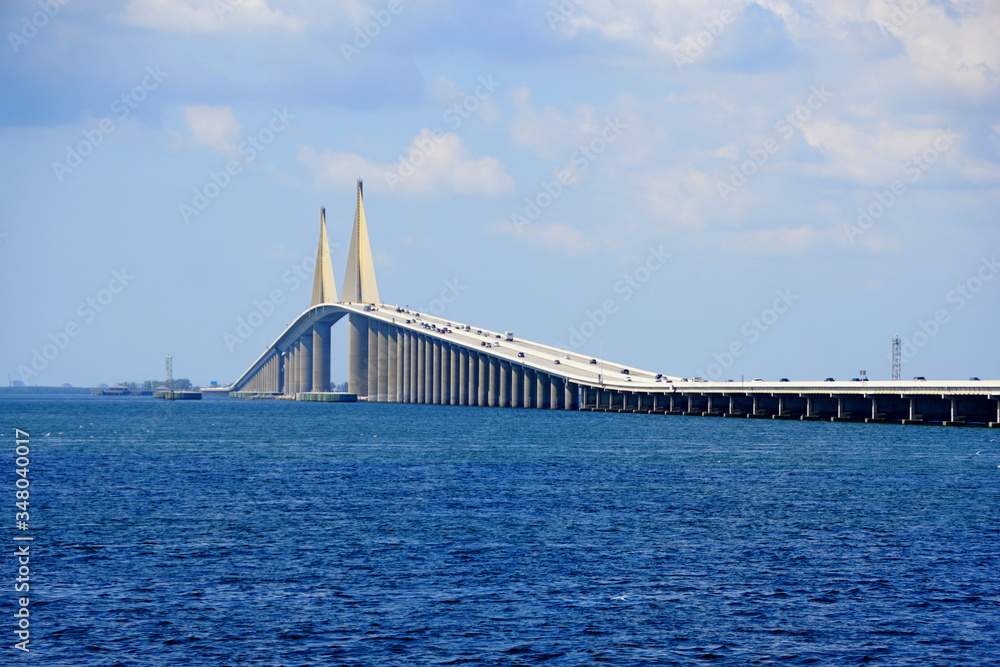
x,y
360,287
324,284
359,282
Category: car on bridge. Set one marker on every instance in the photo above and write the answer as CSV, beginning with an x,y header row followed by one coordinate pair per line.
x,y
520,354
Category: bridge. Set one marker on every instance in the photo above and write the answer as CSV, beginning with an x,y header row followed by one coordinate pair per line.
x,y
397,355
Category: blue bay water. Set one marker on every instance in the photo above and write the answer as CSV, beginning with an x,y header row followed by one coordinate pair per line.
x,y
227,532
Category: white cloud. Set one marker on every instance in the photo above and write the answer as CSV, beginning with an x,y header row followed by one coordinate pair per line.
x,y
678,196
207,16
435,162
784,241
548,132
216,127
559,236
651,24
880,155
954,49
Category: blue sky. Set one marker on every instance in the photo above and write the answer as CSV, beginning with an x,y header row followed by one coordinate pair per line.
x,y
719,188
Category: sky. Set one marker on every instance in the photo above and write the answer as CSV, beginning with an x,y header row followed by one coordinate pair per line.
x,y
720,188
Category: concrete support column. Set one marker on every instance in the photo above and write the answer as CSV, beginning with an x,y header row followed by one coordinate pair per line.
x,y
543,391
305,362
557,394
781,405
452,375
494,385
473,377
954,409
809,406
373,387
435,351
357,354
404,357
527,387
874,406
393,393
913,406
571,396
483,375
441,371
414,368
321,357
382,362
299,370
516,386
421,358
282,375
503,399
463,376
428,378
445,373
840,407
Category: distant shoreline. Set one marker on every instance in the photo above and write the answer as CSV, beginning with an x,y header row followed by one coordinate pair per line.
x,y
45,390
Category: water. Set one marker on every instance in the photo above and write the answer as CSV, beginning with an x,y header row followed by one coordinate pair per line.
x,y
273,533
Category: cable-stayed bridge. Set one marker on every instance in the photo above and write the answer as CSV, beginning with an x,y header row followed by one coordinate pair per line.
x,y
401,356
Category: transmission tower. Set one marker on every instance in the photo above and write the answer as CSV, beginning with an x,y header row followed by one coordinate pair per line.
x,y
895,358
